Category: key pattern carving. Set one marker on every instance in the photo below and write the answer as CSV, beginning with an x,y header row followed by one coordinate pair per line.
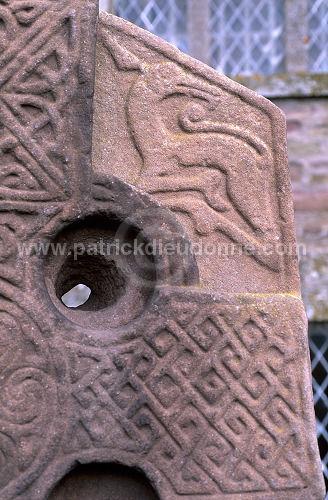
x,y
209,397
204,396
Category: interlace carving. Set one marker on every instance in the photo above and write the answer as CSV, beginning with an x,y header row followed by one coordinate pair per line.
x,y
208,394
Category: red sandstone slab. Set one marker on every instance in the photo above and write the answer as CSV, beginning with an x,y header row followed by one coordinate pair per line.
x,y
207,393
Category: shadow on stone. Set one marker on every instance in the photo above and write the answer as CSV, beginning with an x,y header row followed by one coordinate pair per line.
x,y
104,482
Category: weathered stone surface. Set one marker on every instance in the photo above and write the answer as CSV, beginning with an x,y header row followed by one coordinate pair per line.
x,y
215,154
211,150
46,86
207,393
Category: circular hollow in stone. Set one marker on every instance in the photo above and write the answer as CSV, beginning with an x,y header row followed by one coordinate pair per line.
x,y
99,273
103,482
89,252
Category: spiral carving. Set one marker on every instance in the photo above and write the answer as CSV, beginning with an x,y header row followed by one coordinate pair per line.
x,y
29,399
26,396
192,118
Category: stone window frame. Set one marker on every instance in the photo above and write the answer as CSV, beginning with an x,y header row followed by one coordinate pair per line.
x,y
297,81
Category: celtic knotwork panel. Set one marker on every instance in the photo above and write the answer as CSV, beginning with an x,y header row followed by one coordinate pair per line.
x,y
43,69
209,394
46,85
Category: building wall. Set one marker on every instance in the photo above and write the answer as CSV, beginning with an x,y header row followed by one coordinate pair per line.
x,y
307,132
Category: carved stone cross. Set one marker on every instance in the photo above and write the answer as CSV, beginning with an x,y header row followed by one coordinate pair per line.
x,y
189,360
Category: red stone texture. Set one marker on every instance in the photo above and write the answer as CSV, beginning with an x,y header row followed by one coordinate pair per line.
x,y
195,376
208,148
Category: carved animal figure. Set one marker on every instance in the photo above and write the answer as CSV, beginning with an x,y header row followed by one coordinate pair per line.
x,y
166,155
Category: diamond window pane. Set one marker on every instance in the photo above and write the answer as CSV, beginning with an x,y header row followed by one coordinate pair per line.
x,y
318,340
318,35
252,28
164,18
103,4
